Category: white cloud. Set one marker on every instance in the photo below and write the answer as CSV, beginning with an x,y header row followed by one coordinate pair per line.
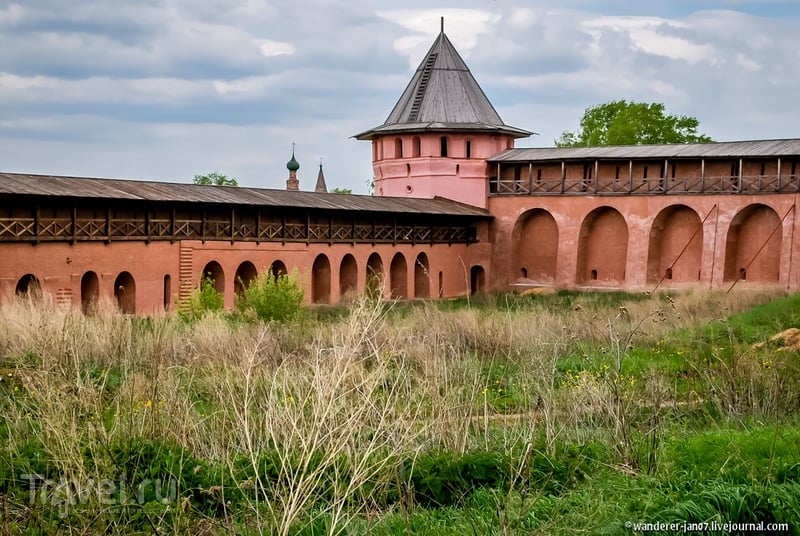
x,y
650,35
747,63
275,48
463,26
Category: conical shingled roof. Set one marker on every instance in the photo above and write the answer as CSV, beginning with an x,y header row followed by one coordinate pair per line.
x,y
443,95
321,187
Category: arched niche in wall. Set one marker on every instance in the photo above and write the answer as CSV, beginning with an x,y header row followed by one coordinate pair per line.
x,y
374,275
535,243
348,277
28,285
278,269
125,293
90,291
321,280
602,248
477,280
398,278
675,249
753,245
246,273
213,272
422,278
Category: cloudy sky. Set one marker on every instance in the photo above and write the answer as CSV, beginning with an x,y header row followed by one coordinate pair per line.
x,y
166,89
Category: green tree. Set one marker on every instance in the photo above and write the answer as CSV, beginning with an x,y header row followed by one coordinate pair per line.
x,y
631,123
341,191
215,179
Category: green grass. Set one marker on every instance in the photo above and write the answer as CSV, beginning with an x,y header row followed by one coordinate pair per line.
x,y
711,422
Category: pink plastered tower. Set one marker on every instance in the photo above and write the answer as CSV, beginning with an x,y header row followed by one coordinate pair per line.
x,y
437,139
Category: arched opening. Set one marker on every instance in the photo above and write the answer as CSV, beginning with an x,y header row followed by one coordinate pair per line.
x,y
398,281
422,278
676,246
753,246
321,280
278,269
348,277
213,272
398,148
415,146
90,292
246,273
603,247
28,285
125,293
477,277
167,291
535,239
374,279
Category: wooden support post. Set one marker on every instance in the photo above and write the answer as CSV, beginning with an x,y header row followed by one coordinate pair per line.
x,y
147,226
703,175
172,225
563,176
630,176
530,178
233,225
258,227
36,228
739,180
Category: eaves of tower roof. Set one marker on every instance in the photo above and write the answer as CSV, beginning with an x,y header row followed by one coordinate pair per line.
x,y
443,95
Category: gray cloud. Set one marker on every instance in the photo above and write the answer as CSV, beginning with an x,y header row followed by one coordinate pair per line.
x,y
169,88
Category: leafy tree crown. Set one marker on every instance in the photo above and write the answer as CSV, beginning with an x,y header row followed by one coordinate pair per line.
x,y
631,123
215,179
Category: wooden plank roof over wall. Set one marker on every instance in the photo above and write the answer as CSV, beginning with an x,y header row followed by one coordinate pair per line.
x,y
730,149
17,184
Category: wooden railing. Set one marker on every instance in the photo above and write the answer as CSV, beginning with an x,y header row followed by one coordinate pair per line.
x,y
748,184
59,229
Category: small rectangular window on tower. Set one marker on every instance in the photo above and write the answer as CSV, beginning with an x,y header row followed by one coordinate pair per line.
x,y
469,149
444,146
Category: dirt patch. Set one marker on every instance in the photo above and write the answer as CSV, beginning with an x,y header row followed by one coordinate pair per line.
x,y
789,339
538,291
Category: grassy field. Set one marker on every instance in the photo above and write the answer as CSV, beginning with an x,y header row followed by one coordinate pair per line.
x,y
551,414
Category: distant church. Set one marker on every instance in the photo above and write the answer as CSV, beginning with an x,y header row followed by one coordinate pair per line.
x,y
457,210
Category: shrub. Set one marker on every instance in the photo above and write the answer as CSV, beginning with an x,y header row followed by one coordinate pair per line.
x,y
270,297
202,300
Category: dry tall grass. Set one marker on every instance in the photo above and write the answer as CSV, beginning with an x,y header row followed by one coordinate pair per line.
x,y
335,405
